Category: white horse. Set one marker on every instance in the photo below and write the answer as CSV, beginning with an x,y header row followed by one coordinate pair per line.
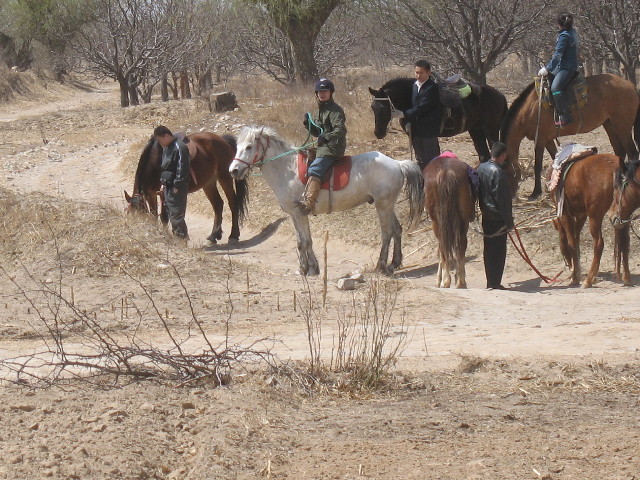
x,y
374,178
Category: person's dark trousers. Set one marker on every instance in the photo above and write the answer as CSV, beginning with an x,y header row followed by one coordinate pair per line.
x,y
495,252
177,207
426,149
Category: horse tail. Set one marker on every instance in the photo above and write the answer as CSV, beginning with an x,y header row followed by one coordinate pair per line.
x,y
232,141
448,214
242,187
414,190
242,199
622,244
636,126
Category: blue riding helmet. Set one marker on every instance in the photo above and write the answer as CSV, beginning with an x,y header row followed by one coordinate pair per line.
x,y
324,84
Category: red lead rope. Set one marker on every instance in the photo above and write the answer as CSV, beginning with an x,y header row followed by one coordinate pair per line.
x,y
525,257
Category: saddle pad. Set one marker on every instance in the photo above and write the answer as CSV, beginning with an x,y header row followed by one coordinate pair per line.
x,y
338,179
577,89
568,154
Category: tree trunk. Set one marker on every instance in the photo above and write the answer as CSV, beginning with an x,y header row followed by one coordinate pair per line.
x,y
124,91
185,89
303,45
164,88
133,94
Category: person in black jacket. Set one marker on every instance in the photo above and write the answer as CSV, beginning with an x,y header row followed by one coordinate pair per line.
x,y
497,216
425,115
174,178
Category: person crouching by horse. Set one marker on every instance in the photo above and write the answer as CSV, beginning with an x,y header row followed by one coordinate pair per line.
x,y
497,217
424,116
563,67
329,126
174,178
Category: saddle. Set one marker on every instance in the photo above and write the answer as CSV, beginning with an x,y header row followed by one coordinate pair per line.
x,y
577,93
566,157
454,117
336,178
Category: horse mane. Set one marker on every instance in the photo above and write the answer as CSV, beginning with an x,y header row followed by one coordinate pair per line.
x,y
628,174
399,81
142,165
249,133
515,108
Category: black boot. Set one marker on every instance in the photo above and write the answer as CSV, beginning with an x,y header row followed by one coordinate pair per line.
x,y
563,108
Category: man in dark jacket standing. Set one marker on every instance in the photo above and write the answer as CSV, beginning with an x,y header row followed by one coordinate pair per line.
x,y
425,115
497,217
174,178
329,125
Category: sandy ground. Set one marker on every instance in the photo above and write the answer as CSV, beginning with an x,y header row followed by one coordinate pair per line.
x,y
555,393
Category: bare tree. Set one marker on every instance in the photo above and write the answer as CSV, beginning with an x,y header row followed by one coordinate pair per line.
x,y
300,21
124,40
473,36
615,26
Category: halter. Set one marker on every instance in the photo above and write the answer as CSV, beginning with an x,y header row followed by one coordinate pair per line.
x,y
255,160
385,99
625,184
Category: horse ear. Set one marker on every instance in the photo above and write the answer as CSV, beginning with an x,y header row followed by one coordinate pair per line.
x,y
127,197
374,92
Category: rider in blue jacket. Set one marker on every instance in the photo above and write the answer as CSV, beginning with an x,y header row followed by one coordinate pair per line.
x,y
563,66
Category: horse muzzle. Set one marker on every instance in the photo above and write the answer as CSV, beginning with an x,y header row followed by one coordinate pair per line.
x,y
616,222
237,170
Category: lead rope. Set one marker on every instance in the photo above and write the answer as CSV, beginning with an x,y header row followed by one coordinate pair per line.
x,y
523,253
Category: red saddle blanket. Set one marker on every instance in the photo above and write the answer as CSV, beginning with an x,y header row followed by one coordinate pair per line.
x,y
338,176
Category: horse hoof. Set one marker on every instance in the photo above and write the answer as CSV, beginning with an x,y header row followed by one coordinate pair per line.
x,y
233,241
210,243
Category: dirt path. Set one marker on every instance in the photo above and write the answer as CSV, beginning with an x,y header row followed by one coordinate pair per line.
x,y
531,320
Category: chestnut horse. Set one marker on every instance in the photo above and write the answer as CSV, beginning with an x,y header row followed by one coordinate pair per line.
x,y
588,193
613,103
450,201
626,199
211,156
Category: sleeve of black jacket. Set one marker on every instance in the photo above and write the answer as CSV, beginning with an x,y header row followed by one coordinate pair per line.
x,y
183,167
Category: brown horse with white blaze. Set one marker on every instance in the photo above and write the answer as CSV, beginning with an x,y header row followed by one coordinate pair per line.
x,y
211,156
588,193
613,103
450,202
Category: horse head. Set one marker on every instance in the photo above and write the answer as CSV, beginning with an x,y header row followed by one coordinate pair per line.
x,y
253,144
135,203
626,194
381,106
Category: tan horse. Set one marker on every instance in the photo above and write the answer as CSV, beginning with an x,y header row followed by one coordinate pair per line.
x,y
613,103
450,202
588,193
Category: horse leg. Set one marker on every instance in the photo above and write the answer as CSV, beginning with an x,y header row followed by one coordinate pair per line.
x,y
386,217
461,273
212,193
396,260
566,229
537,171
595,227
308,261
227,185
480,143
446,269
622,242
621,140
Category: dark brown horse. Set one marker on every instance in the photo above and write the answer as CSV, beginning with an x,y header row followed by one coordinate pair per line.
x,y
480,114
450,202
588,193
613,103
211,156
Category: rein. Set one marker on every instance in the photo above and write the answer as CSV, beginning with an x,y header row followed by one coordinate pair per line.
x,y
259,163
525,256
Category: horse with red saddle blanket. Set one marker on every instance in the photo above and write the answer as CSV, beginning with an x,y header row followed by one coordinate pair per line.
x,y
374,178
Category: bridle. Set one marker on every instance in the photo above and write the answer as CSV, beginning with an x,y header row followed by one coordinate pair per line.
x,y
623,187
254,160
